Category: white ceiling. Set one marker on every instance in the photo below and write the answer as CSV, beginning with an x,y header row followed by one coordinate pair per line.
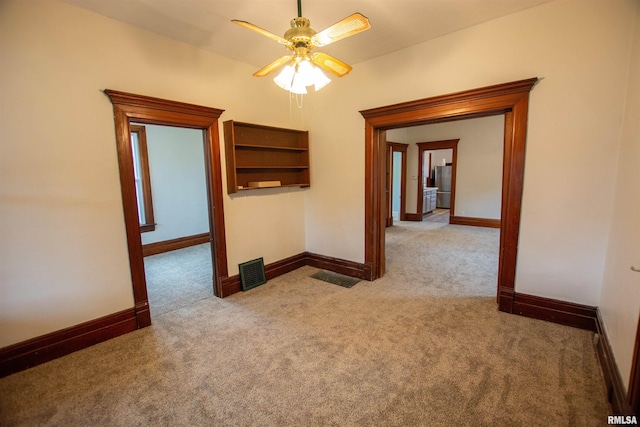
x,y
395,24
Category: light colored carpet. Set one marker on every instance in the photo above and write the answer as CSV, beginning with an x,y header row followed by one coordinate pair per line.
x,y
301,352
178,279
427,258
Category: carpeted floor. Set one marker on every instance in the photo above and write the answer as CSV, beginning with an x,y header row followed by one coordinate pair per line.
x,y
416,348
178,279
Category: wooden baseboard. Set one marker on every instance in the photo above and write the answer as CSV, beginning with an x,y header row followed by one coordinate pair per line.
x,y
42,349
578,316
412,217
610,372
337,265
231,284
475,222
174,244
551,310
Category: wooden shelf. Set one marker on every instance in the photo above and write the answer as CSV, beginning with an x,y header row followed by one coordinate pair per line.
x,y
262,147
272,167
265,153
280,186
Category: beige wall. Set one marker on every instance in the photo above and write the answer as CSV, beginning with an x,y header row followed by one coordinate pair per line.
x,y
479,169
178,183
580,51
620,298
63,251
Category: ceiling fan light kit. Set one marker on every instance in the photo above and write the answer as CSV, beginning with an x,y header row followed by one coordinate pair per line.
x,y
302,68
296,77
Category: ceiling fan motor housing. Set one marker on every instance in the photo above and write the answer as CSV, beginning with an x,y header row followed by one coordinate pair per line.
x,y
300,32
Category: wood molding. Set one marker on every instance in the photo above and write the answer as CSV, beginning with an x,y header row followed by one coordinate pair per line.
x,y
556,311
284,266
396,147
469,96
610,371
337,265
47,347
446,144
149,222
174,244
412,217
129,108
42,349
510,99
140,103
231,285
634,381
475,222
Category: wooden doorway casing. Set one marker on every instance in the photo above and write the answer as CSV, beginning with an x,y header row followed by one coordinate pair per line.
x,y
438,145
142,109
396,147
510,99
633,394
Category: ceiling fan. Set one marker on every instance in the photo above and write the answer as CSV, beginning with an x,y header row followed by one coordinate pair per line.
x,y
301,39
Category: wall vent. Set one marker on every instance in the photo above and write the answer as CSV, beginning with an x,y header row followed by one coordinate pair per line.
x,y
252,274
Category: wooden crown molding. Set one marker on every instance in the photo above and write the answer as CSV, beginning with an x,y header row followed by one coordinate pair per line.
x,y
520,86
133,100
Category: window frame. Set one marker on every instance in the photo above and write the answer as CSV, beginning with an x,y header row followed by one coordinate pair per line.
x,y
149,223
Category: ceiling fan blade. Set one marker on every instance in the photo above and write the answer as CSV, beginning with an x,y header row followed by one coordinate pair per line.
x,y
274,65
330,64
261,31
347,27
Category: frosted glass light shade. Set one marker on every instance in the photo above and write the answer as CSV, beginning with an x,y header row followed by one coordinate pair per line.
x,y
296,77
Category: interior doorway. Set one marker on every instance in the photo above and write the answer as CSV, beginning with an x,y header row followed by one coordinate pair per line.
x,y
437,168
510,99
396,183
129,108
171,191
434,150
396,162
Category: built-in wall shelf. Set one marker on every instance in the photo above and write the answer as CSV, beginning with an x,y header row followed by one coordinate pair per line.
x,y
257,153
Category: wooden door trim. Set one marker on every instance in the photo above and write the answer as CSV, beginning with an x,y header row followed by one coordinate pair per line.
x,y
633,396
129,107
505,98
438,145
397,147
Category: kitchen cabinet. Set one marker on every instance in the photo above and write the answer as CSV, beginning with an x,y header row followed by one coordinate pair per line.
x,y
429,199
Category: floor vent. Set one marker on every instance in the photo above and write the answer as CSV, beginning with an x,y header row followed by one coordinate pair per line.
x,y
336,278
252,274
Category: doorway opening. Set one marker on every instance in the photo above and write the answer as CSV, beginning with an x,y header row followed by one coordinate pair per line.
x,y
396,187
437,167
130,108
171,190
510,99
396,182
